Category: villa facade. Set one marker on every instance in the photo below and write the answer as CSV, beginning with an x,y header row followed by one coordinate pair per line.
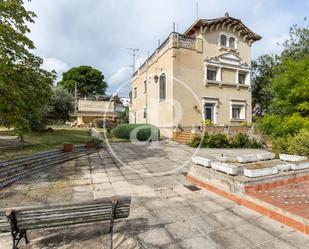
x,y
203,74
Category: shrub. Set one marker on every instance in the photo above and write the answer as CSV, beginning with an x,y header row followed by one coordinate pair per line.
x,y
218,141
276,126
222,141
144,132
109,124
241,140
296,145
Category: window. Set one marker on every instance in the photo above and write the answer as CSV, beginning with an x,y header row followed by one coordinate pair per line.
x,y
145,112
232,43
238,111
242,78
162,87
135,92
209,111
145,86
211,74
130,97
223,40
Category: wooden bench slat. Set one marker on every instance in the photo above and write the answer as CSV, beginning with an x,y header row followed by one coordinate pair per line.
x,y
106,200
43,218
70,209
70,223
22,217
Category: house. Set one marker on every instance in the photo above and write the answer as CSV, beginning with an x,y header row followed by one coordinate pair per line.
x,y
203,74
90,109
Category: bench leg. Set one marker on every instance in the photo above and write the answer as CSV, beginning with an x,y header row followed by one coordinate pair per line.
x,y
111,225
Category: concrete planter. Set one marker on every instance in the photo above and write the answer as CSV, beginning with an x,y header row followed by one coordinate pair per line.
x,y
222,159
246,159
284,167
202,161
265,156
299,166
224,167
292,158
252,173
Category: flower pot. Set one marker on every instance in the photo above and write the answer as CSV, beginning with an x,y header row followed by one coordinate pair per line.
x,y
224,167
252,173
90,145
247,159
292,158
202,161
68,147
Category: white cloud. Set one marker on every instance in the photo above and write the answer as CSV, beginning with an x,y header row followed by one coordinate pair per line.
x,y
55,64
119,82
98,35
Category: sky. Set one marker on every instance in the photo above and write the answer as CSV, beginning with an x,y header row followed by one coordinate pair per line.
x,y
69,33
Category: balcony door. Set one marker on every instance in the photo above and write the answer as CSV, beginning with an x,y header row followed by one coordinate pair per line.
x,y
209,112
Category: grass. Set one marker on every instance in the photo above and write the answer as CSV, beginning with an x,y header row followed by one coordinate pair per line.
x,y
41,141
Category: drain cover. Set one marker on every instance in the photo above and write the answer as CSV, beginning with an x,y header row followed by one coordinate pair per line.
x,y
192,187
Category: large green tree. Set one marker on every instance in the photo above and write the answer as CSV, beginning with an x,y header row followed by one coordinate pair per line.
x,y
290,88
60,107
24,86
89,81
263,71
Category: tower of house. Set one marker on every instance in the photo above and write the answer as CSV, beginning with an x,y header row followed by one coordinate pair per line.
x,y
203,74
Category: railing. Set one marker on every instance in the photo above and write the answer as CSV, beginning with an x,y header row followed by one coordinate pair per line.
x,y
174,40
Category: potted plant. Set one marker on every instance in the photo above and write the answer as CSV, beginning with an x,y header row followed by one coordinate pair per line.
x,y
68,147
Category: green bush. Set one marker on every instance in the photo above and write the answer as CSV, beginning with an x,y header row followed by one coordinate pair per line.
x,y
296,145
144,132
222,141
276,126
218,141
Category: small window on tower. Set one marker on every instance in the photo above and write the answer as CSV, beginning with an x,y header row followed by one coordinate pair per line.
x,y
223,40
232,43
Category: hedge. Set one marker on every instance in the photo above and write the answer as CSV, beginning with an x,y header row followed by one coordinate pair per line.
x,y
144,132
222,141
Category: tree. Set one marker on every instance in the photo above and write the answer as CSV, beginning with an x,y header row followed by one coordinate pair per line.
x,y
290,88
89,81
297,46
60,107
24,86
263,71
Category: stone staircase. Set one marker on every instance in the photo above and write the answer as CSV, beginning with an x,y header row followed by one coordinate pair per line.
x,y
183,137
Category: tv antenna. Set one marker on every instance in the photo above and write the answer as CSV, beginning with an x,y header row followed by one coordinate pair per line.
x,y
133,54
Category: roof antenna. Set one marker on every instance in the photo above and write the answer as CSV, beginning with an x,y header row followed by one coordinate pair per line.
x,y
174,27
196,9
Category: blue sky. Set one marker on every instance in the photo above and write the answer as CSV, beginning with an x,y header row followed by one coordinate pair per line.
x,y
70,33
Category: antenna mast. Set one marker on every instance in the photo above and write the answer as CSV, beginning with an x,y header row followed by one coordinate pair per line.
x,y
133,54
197,10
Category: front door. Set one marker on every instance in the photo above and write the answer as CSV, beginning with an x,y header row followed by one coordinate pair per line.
x,y
209,112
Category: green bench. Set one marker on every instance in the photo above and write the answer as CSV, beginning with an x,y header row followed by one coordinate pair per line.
x,y
22,219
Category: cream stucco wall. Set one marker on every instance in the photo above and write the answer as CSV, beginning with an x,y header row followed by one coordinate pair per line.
x,y
186,88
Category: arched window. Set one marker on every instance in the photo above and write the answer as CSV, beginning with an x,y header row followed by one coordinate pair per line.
x,y
162,87
232,43
223,40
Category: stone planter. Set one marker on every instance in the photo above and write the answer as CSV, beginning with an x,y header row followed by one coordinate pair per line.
x,y
252,173
246,159
68,147
202,161
265,156
222,159
292,158
284,167
224,167
300,165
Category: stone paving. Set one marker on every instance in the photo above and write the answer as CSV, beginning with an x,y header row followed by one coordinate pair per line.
x,y
165,213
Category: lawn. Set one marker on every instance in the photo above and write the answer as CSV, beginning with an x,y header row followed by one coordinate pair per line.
x,y
40,141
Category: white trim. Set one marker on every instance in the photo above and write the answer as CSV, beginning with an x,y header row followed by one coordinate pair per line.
x,y
243,111
228,36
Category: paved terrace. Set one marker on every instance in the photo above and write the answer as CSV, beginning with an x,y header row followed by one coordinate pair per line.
x,y
164,213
